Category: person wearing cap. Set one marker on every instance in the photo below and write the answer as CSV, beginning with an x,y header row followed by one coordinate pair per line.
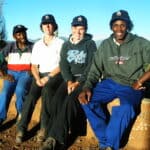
x,y
117,71
15,71
46,72
76,56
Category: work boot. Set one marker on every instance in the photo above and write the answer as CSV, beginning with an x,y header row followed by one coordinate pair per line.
x,y
109,148
49,144
19,137
41,135
105,148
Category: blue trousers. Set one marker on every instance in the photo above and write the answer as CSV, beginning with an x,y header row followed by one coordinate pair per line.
x,y
20,87
109,132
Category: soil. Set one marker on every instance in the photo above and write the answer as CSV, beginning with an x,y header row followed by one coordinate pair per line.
x,y
8,132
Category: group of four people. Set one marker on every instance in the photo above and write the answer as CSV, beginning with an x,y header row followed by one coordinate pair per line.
x,y
75,81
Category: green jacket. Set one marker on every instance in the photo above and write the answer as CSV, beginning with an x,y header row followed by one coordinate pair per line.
x,y
123,64
76,59
3,63
1,58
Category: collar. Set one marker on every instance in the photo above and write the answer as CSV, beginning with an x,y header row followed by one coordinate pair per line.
x,y
117,43
74,42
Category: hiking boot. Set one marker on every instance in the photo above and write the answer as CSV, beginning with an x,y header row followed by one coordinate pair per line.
x,y
106,148
41,135
19,137
49,144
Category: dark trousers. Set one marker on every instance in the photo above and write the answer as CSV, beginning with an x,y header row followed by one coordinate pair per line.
x,y
49,109
34,94
69,116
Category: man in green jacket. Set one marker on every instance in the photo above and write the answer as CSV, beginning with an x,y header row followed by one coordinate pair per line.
x,y
120,61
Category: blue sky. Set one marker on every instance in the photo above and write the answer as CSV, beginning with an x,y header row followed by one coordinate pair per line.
x,y
98,13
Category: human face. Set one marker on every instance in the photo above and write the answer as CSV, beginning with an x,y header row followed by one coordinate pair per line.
x,y
48,29
119,29
20,37
78,32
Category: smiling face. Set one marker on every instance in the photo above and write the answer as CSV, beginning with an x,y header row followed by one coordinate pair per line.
x,y
119,28
20,37
78,32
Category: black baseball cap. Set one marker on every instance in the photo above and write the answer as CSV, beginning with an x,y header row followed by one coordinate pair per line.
x,y
79,21
120,15
48,18
19,28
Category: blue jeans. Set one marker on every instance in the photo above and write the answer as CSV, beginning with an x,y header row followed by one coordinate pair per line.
x,y
20,87
110,131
